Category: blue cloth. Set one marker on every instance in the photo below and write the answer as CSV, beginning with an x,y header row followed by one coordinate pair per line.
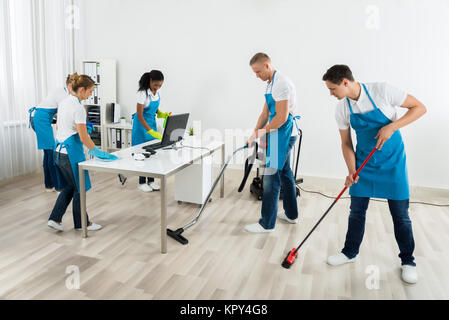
x,y
75,152
68,193
271,189
139,133
95,152
385,175
402,228
277,140
41,124
52,176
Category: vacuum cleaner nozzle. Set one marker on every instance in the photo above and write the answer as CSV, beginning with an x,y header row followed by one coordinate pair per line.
x,y
177,235
290,259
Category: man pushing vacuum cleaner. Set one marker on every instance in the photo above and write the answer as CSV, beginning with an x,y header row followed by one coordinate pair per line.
x,y
276,123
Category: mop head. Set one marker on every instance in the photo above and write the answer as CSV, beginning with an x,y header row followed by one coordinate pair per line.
x,y
290,259
177,235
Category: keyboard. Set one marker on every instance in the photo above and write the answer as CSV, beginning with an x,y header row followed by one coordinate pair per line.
x,y
155,146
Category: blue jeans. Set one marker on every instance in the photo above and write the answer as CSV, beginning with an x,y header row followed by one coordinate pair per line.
x,y
271,190
52,178
68,193
143,180
402,228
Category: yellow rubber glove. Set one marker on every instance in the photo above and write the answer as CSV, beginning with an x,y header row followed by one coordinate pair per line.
x,y
163,115
155,134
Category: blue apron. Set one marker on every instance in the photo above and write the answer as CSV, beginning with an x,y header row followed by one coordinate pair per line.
x,y
385,175
41,124
279,139
139,133
75,151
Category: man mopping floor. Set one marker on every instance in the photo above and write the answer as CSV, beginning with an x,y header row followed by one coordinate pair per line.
x,y
370,110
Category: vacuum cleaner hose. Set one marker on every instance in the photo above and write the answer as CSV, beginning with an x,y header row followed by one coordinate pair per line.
x,y
177,234
212,189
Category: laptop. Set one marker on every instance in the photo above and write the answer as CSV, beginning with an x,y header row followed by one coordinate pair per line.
x,y
175,129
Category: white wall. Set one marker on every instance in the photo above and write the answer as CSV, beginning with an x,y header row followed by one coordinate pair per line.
x,y
203,48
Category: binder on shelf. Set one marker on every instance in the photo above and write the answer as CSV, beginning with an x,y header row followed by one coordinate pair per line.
x,y
119,138
109,138
129,138
92,69
95,95
117,113
114,138
97,71
125,134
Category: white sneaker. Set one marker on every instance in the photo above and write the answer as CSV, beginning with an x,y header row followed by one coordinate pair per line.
x,y
339,259
55,225
92,227
257,228
144,188
49,190
409,274
155,186
283,216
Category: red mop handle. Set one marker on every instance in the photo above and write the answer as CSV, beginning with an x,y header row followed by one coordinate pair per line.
x,y
357,173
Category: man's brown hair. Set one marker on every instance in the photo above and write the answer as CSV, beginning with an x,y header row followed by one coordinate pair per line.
x,y
337,73
259,57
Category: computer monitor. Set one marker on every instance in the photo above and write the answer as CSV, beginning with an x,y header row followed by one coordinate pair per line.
x,y
175,129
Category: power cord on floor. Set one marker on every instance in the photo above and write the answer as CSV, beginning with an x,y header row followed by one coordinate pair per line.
x,y
414,202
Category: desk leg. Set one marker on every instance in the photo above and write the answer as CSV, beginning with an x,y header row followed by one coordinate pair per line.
x,y
222,164
163,215
82,184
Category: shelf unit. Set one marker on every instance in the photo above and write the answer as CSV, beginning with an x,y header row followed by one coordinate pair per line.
x,y
126,135
105,76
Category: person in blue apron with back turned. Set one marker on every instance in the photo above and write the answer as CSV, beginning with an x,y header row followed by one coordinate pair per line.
x,y
41,123
71,136
276,120
370,110
144,120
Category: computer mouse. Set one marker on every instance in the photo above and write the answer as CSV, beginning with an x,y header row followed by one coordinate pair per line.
x,y
138,157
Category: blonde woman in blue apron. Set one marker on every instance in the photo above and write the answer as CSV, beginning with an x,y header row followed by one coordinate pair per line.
x,y
71,136
41,123
276,120
144,120
370,110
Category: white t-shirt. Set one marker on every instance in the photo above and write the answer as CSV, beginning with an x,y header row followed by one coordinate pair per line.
x,y
282,88
70,113
144,97
54,98
386,97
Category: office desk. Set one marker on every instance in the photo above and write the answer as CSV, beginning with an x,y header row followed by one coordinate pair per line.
x,y
161,166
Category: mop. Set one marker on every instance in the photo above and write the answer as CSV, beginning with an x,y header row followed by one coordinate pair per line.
x,y
292,255
177,234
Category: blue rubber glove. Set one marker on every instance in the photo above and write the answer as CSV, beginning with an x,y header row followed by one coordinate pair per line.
x,y
90,128
95,152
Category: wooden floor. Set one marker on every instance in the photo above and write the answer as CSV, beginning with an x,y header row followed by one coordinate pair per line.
x,y
222,261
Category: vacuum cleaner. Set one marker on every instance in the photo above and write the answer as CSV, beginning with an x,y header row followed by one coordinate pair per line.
x,y
292,255
177,234
256,187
